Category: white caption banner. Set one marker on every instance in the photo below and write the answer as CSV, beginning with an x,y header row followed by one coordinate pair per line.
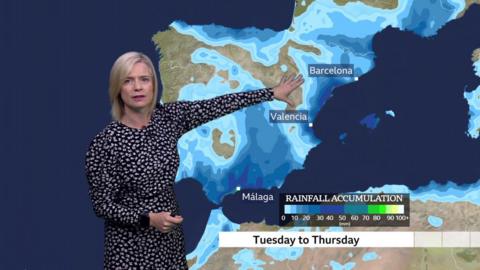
x,y
392,239
316,239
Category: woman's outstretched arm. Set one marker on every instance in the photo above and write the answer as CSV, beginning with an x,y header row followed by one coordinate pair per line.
x,y
191,114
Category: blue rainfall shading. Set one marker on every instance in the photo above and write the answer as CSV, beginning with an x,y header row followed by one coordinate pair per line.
x,y
369,256
390,112
337,266
370,121
426,17
281,254
247,261
435,221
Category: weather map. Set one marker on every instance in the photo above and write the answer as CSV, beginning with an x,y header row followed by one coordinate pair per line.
x,y
406,120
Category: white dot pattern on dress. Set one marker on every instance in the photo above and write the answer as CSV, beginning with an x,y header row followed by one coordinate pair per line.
x,y
132,171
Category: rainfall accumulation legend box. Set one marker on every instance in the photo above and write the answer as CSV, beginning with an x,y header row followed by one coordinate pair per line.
x,y
346,210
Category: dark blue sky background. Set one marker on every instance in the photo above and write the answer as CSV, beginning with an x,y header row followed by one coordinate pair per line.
x,y
55,58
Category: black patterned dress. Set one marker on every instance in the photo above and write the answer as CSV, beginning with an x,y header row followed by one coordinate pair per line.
x,y
132,171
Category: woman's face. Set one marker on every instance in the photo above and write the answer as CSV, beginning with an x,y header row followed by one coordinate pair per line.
x,y
137,89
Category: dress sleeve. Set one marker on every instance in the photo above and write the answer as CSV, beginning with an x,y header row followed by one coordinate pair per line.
x,y
191,114
104,184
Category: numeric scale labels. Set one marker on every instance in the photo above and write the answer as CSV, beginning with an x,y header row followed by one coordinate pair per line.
x,y
349,209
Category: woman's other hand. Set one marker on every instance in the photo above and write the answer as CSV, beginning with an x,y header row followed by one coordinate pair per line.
x,y
163,221
286,86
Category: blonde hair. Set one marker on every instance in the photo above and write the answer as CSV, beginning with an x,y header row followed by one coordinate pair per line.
x,y
119,72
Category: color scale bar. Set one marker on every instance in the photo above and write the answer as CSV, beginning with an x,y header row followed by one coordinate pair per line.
x,y
347,209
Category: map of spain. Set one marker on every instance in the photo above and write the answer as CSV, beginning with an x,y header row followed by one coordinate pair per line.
x,y
406,120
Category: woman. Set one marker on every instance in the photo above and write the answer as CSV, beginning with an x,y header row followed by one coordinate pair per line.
x,y
132,163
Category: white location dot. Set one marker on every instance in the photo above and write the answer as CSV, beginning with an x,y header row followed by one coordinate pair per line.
x,y
238,188
310,124
356,78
